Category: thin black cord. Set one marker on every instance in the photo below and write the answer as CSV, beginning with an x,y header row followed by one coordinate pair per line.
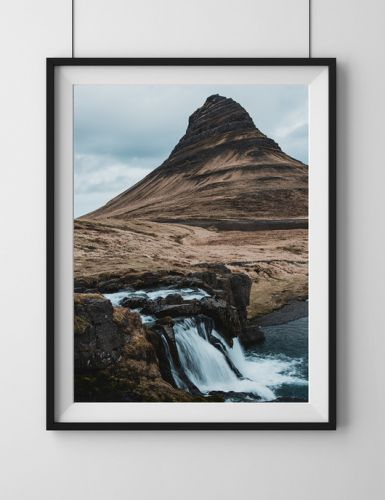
x,y
309,29
72,27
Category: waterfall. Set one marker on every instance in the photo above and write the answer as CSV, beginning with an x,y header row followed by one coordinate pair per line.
x,y
203,364
207,361
174,372
207,367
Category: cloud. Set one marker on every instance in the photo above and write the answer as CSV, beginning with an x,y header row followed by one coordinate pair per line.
x,y
122,132
292,134
98,178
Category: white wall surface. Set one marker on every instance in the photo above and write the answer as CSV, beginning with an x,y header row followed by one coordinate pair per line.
x,y
210,28
346,464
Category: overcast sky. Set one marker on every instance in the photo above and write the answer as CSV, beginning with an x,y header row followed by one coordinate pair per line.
x,y
122,132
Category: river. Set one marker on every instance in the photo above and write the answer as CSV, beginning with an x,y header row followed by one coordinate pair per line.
x,y
276,369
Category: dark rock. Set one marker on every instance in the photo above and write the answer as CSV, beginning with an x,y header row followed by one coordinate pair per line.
x,y
150,306
217,292
225,317
240,286
165,321
152,279
169,332
234,288
236,396
83,283
157,339
97,339
134,302
172,299
251,335
227,305
205,277
116,358
163,339
111,285
190,308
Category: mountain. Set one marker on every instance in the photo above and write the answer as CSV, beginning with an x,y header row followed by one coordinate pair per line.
x,y
222,169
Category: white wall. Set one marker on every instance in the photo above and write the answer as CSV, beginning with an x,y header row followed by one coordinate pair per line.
x,y
346,464
208,28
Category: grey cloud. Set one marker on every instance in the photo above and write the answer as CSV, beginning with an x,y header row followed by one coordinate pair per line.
x,y
97,179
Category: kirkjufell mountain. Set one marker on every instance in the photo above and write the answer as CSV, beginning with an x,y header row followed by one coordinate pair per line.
x,y
177,278
223,168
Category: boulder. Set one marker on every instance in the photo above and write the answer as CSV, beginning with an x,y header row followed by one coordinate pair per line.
x,y
205,278
240,285
165,321
97,340
110,285
187,308
174,298
224,315
134,302
251,335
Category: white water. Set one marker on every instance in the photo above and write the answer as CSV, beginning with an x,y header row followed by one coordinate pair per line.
x,y
209,370
205,365
147,319
185,293
271,371
174,372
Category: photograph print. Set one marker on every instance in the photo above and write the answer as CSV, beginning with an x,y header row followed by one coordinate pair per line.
x,y
191,243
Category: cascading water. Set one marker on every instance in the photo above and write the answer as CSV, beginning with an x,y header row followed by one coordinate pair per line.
x,y
185,293
174,372
207,367
211,365
203,364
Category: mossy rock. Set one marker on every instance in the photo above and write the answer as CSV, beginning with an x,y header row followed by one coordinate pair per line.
x,y
81,325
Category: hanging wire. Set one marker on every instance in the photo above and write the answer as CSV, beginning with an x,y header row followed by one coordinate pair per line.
x,y
72,28
309,29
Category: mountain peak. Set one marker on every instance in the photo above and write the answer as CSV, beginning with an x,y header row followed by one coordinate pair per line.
x,y
215,97
219,112
222,167
219,121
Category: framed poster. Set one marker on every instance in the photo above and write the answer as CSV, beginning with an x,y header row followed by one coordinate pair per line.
x,y
191,243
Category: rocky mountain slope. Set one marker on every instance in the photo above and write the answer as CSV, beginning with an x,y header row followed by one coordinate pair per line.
x,y
227,194
222,169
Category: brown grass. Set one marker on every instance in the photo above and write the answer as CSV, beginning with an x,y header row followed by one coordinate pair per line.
x,y
276,261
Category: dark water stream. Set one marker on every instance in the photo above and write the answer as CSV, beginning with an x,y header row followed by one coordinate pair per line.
x,y
287,343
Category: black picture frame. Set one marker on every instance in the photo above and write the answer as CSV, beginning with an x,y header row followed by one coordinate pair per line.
x,y
52,64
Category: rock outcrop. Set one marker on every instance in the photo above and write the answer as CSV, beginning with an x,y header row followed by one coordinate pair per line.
x,y
227,306
115,359
97,341
222,169
251,334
